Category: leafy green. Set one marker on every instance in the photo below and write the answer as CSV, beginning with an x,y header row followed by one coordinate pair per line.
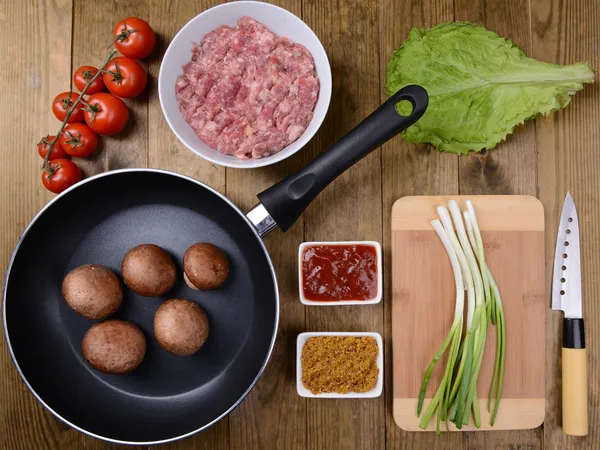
x,y
480,85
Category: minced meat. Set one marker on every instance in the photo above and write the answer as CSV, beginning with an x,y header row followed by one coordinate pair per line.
x,y
248,92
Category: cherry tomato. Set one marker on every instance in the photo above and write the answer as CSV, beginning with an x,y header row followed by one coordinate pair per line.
x,y
79,140
134,38
85,74
57,150
125,77
106,114
60,175
61,105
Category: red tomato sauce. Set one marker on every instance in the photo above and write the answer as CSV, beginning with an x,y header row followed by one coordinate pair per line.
x,y
339,272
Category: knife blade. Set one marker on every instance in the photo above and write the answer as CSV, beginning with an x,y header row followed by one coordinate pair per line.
x,y
566,281
566,296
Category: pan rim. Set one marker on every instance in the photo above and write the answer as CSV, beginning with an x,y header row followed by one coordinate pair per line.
x,y
22,238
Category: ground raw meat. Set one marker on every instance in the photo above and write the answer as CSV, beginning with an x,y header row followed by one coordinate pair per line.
x,y
248,92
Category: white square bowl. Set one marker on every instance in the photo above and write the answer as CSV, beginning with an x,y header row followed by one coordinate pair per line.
x,y
303,392
377,298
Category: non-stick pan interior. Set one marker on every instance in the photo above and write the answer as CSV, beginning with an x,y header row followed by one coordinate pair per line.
x,y
167,396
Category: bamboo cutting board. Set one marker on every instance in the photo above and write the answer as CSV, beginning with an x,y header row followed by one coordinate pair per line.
x,y
423,306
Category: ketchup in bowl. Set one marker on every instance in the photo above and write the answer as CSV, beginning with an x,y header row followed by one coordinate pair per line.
x,y
339,272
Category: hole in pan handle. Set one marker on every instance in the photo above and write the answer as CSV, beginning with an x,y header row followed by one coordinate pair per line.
x,y
282,204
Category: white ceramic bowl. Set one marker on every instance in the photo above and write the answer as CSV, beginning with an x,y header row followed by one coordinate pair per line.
x,y
276,19
303,392
377,298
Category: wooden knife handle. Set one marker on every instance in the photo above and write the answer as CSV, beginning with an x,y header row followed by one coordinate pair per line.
x,y
574,379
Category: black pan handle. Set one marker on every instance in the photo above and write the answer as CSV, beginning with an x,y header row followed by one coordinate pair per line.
x,y
288,199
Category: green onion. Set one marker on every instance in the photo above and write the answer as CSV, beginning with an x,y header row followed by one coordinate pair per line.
x,y
441,397
497,316
500,350
456,396
477,244
476,346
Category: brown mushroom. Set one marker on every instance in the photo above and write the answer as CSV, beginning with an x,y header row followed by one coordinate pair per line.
x,y
149,270
92,290
114,346
205,266
180,326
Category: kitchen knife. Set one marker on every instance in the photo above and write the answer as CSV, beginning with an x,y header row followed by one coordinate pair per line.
x,y
566,296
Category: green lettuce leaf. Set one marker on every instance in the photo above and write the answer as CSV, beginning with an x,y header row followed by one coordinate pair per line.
x,y
480,85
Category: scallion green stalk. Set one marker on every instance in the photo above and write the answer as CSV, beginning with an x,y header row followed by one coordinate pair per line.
x,y
476,347
441,396
497,312
500,351
457,396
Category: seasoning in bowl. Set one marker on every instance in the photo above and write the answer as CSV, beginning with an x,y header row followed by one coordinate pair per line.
x,y
340,272
340,364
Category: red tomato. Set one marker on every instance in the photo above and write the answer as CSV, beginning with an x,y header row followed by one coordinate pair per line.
x,y
61,105
134,38
57,150
106,114
125,77
60,175
85,74
79,140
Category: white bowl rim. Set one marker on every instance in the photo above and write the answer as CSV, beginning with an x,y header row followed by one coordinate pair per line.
x,y
304,138
373,393
372,301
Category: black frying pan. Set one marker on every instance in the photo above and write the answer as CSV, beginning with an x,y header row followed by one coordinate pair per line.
x,y
98,221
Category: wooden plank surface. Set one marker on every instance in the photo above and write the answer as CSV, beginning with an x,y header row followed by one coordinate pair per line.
x,y
505,172
349,33
409,169
126,149
166,152
36,51
423,298
274,397
348,30
568,149
557,153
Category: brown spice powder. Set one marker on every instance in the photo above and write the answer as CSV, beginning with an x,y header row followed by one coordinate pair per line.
x,y
339,364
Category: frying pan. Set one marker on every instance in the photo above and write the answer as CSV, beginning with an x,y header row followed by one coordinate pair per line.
x,y
167,397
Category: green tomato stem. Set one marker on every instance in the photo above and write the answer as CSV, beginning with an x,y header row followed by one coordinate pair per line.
x,y
70,111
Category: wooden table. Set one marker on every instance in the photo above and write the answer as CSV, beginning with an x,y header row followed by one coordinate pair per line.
x,y
43,41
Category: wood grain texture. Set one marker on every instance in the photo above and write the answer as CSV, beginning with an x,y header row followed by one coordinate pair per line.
x,y
423,299
350,208
546,158
507,171
92,34
567,142
93,23
36,51
275,396
166,152
408,169
164,149
413,213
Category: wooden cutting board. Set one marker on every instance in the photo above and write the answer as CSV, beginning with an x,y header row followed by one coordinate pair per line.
x,y
424,296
